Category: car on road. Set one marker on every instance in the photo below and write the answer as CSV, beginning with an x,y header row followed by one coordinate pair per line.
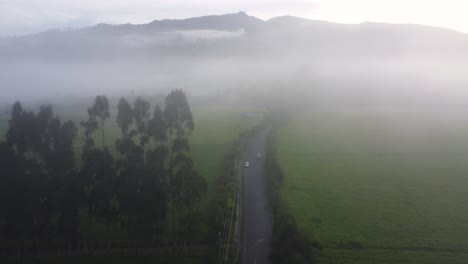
x,y
259,156
247,164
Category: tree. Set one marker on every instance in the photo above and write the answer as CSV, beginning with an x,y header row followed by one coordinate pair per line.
x,y
154,186
141,116
100,110
141,192
62,192
156,128
105,198
183,193
27,134
154,181
124,116
44,195
177,114
98,169
15,218
130,166
41,150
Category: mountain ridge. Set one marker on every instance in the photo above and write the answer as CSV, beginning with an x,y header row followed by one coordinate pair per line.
x,y
210,52
224,22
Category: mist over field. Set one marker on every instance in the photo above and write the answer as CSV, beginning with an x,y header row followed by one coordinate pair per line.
x,y
240,56
230,138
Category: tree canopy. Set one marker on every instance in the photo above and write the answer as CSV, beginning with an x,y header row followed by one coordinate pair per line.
x,y
53,197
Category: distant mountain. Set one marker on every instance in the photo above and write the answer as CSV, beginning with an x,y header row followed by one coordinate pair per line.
x,y
376,39
229,22
237,50
280,34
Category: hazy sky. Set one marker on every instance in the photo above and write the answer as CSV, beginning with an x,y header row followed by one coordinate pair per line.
x,y
26,16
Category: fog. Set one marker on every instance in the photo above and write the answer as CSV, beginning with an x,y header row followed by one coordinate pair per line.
x,y
242,57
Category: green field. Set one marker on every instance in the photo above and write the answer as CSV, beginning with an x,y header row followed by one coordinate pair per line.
x,y
379,185
216,128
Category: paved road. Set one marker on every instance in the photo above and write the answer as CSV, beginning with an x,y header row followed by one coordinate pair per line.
x,y
257,214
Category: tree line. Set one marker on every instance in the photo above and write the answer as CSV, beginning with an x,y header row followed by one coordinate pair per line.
x,y
50,199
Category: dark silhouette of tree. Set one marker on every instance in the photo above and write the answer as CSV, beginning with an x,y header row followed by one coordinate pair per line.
x,y
15,204
156,128
141,116
183,195
28,136
98,170
63,192
124,116
156,171
143,200
105,192
40,148
154,185
177,114
130,167
48,200
100,110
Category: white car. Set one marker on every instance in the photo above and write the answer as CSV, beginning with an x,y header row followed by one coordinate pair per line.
x,y
247,164
259,156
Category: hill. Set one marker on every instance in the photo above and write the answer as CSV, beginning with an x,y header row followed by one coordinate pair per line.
x,y
238,52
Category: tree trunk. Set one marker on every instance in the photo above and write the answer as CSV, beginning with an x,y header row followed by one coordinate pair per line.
x,y
102,131
19,252
69,246
136,247
108,247
173,219
144,153
86,233
85,243
38,248
129,247
25,251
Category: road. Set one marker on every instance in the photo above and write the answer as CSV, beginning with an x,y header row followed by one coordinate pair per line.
x,y
257,211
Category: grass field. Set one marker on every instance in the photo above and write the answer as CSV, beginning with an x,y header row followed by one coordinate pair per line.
x,y
216,128
379,185
215,132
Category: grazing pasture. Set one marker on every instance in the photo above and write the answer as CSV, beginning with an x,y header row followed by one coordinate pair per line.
x,y
379,185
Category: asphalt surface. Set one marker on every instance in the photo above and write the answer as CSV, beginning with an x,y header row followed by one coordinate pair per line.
x,y
257,211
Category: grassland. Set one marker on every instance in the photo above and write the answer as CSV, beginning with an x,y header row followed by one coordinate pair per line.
x,y
379,185
215,132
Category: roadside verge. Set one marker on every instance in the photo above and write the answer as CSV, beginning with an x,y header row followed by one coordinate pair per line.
x,y
288,244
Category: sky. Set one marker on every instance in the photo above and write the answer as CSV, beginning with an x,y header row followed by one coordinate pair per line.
x,y
19,17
